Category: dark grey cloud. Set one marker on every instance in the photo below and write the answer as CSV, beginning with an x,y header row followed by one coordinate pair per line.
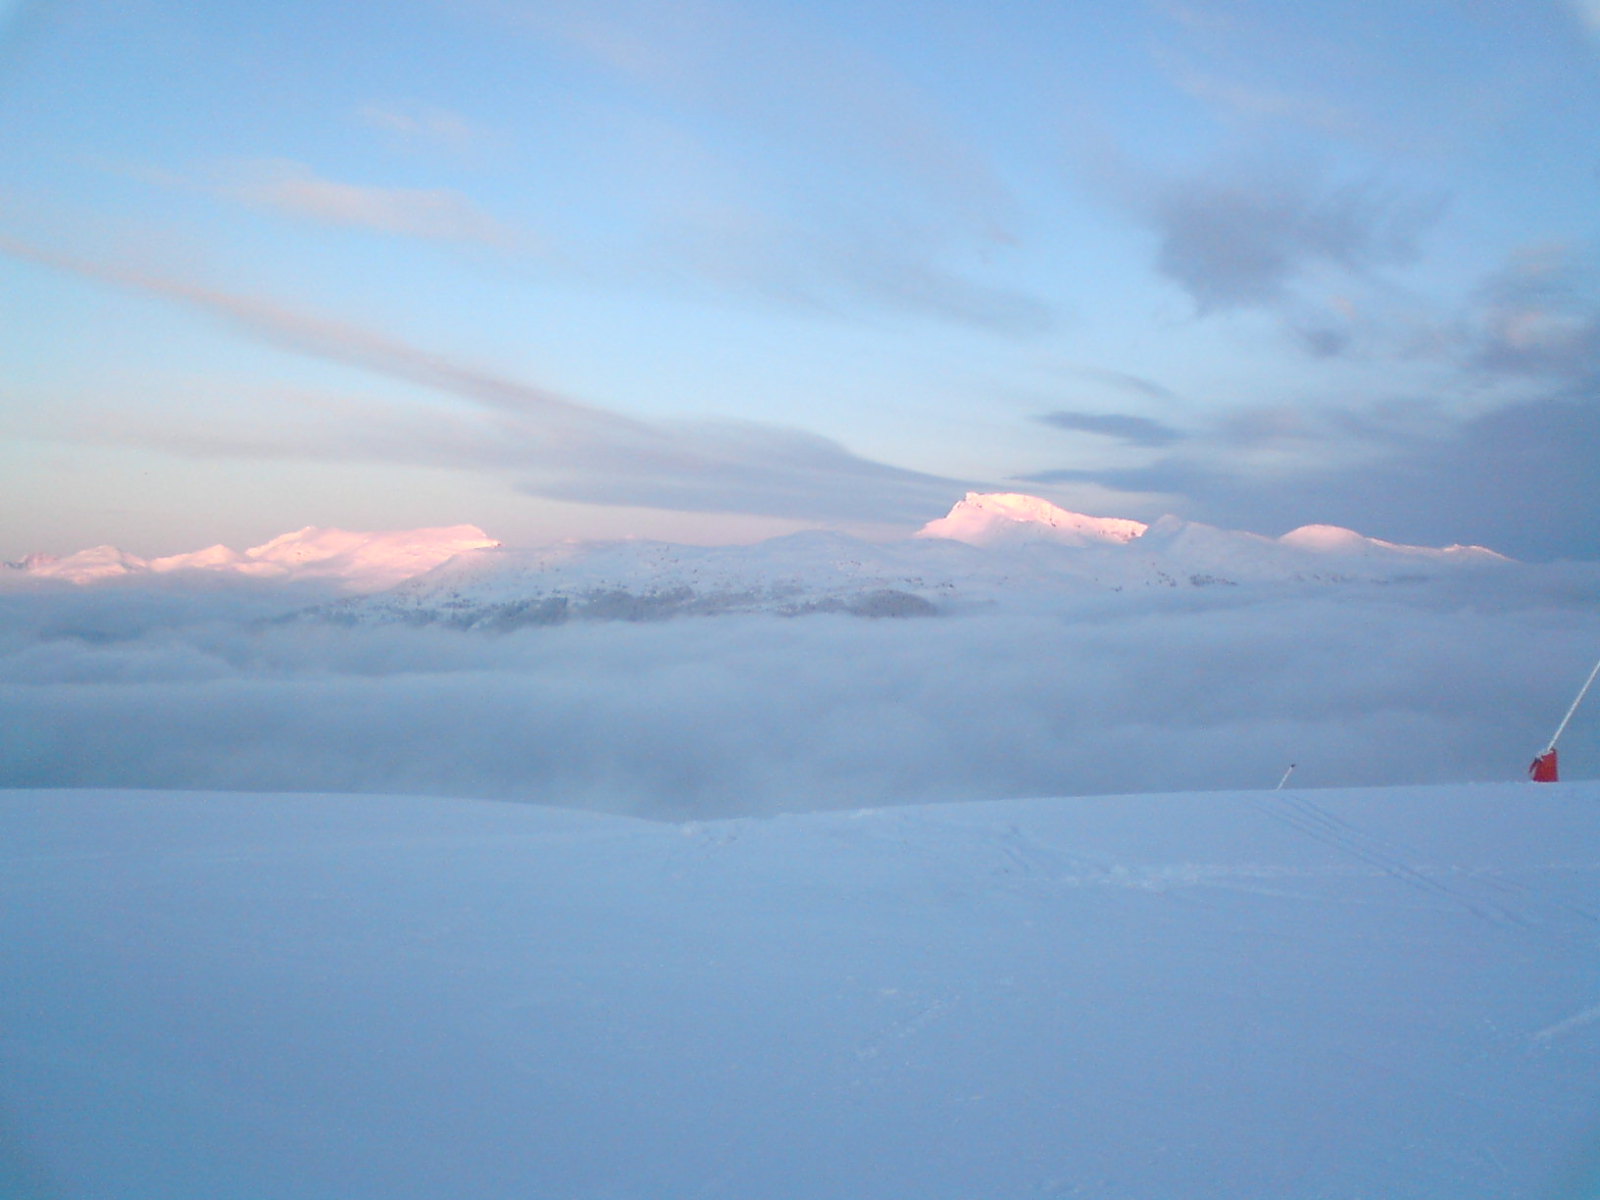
x,y
1539,315
1248,233
1523,479
1518,475
551,445
1137,431
1243,237
1322,339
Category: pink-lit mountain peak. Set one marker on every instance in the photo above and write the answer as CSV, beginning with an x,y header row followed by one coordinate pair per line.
x,y
403,552
1335,539
988,545
1000,518
1010,518
355,560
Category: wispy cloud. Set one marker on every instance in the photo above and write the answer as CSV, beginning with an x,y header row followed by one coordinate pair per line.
x,y
787,81
1124,382
1588,14
1259,103
294,189
786,165
825,265
1136,431
550,445
423,126
909,281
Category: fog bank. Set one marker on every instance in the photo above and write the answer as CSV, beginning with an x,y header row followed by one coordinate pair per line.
x,y
1446,682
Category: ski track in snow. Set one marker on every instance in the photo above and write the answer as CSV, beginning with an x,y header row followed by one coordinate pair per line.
x,y
1025,864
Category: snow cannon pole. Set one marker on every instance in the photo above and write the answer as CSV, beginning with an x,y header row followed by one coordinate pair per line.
x,y
1285,778
1544,768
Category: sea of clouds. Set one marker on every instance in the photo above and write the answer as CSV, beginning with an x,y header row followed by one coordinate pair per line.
x,y
167,686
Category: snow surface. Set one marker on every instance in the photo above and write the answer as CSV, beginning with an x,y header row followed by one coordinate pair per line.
x,y
1341,994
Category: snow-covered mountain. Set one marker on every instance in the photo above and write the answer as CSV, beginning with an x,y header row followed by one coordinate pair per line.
x,y
990,549
354,561
504,588
1007,518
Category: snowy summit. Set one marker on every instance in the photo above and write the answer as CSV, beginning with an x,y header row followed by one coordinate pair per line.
x,y
997,547
356,561
1003,518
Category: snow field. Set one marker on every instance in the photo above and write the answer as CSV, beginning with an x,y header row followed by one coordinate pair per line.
x,y
1366,993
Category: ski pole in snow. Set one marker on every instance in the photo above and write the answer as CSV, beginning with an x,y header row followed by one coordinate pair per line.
x,y
1543,768
1285,778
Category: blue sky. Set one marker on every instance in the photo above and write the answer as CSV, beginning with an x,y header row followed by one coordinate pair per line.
x,y
712,271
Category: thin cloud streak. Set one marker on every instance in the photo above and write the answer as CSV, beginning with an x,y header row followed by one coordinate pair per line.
x,y
1123,381
435,214
1136,431
557,448
423,126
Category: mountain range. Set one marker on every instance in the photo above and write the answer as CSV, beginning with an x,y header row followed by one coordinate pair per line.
x,y
355,561
990,548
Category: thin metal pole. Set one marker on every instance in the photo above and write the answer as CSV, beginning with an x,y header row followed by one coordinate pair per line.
x,y
1285,778
1582,692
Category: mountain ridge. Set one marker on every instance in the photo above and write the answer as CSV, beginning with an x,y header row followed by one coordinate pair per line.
x,y
1011,549
991,548
355,560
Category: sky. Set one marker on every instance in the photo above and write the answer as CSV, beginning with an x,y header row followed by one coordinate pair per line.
x,y
710,271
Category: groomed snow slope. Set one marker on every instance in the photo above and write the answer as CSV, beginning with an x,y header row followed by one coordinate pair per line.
x,y
1381,993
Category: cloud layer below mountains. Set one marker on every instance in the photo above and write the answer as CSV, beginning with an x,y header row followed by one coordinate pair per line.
x,y
1432,682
